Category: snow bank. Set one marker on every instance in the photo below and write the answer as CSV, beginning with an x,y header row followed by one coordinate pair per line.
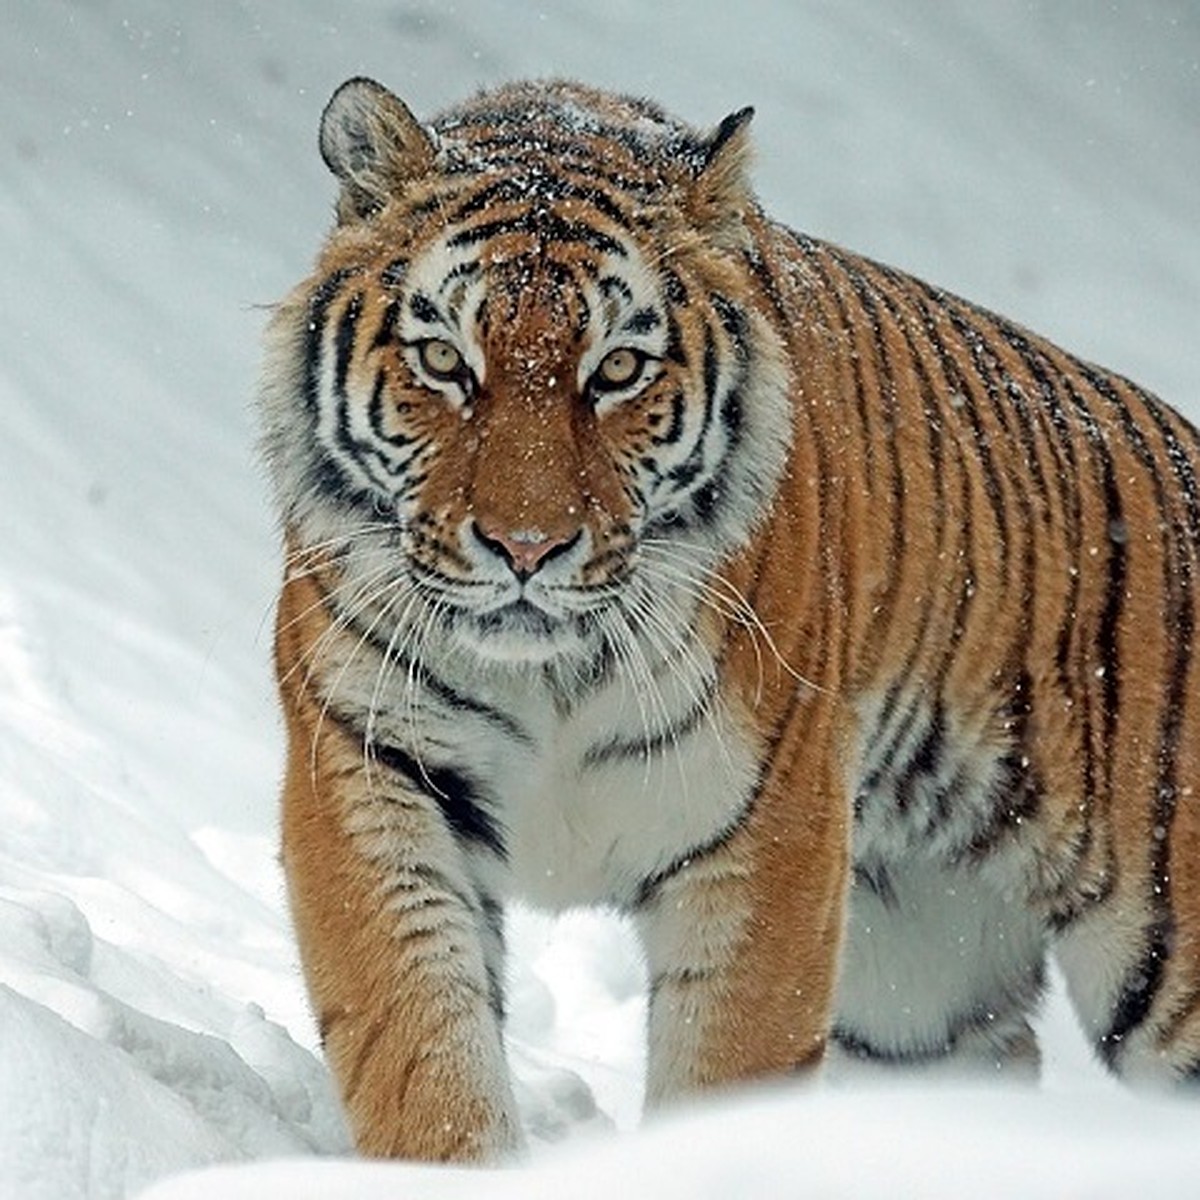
x,y
870,1145
161,184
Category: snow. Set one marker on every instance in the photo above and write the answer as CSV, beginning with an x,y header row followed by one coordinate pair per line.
x,y
161,185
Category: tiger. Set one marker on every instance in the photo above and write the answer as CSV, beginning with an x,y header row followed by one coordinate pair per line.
x,y
642,553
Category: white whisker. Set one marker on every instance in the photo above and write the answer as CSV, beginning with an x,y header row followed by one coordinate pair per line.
x,y
713,586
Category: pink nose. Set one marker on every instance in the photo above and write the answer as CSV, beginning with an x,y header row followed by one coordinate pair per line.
x,y
525,550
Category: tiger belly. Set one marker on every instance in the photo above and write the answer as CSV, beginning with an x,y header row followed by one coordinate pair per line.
x,y
940,970
943,961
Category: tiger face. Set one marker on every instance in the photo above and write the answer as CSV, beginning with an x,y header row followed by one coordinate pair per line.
x,y
524,429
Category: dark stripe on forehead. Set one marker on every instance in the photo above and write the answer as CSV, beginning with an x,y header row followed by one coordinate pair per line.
x,y
630,178
532,277
549,227
557,137
543,186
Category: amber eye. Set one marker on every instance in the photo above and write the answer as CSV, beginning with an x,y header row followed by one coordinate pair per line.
x,y
441,360
618,368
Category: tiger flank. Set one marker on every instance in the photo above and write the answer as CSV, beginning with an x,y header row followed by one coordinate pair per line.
x,y
643,553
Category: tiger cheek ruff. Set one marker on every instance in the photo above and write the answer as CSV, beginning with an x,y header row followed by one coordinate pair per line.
x,y
641,552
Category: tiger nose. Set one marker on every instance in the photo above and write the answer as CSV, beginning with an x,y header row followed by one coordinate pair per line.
x,y
524,550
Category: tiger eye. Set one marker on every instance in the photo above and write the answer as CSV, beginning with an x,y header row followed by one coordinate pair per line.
x,y
618,368
441,359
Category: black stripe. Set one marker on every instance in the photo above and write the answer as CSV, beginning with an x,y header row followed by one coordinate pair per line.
x,y
686,472
998,383
1001,386
674,288
643,321
393,274
376,416
1114,601
648,190
680,977
1017,1000
884,396
648,889
546,187
365,452
769,286
1077,678
314,338
992,484
344,341
1137,993
324,477
674,351
1140,988
505,724
469,268
926,758
829,291
674,429
493,920
547,226
608,284
907,718
735,323
876,879
424,309
1017,796
1067,472
618,749
457,795
386,332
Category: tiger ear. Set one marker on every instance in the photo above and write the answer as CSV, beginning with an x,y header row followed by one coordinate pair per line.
x,y
721,193
373,144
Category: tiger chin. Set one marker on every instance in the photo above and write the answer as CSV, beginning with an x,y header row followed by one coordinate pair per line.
x,y
644,553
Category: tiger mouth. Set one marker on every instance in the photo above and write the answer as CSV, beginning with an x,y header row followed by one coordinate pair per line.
x,y
522,617
522,633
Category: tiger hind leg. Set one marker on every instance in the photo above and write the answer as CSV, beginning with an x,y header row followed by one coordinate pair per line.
x,y
941,971
1134,980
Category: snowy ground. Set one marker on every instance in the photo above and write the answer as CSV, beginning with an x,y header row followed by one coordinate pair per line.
x,y
160,184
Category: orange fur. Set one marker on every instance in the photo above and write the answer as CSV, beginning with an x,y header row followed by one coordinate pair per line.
x,y
949,623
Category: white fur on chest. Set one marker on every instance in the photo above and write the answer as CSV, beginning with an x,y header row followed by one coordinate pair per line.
x,y
584,829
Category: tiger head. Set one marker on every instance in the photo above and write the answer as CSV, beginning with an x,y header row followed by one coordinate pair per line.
x,y
528,393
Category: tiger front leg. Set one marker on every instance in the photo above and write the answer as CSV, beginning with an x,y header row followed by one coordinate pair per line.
x,y
742,945
395,943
